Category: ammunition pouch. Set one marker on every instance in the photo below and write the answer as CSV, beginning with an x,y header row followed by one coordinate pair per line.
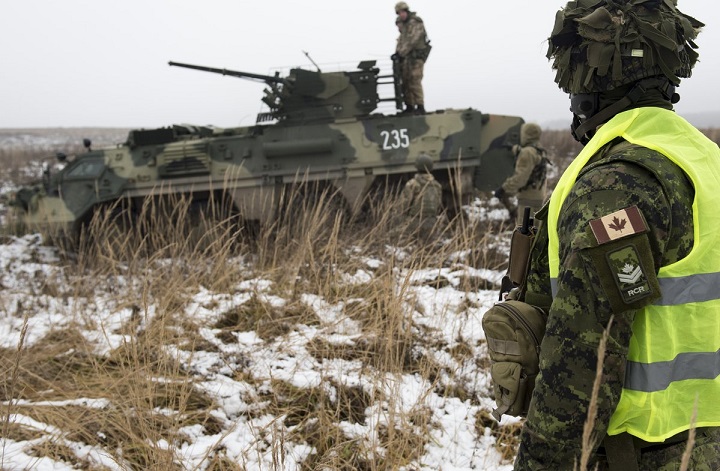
x,y
421,54
513,330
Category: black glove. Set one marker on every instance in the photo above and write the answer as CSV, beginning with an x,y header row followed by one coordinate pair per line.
x,y
499,193
396,57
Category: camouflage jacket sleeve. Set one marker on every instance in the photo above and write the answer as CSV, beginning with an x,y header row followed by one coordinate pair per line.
x,y
527,159
407,197
588,296
412,37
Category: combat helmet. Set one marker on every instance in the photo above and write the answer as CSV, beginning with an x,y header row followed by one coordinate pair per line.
x,y
624,47
424,163
399,6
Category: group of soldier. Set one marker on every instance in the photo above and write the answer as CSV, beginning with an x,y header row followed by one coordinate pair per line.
x,y
423,195
421,198
624,265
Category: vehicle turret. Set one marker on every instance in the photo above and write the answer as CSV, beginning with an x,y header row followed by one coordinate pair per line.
x,y
308,95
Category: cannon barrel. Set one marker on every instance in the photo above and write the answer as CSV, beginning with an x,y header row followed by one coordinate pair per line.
x,y
269,79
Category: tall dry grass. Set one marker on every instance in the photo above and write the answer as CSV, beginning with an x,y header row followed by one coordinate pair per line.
x,y
589,437
134,400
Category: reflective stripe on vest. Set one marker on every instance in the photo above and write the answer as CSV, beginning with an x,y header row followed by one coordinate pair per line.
x,y
682,290
674,355
658,376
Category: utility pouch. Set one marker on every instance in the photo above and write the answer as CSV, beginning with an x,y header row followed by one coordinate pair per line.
x,y
421,54
520,246
513,330
426,51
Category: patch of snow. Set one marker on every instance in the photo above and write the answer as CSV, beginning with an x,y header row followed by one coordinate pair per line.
x,y
241,371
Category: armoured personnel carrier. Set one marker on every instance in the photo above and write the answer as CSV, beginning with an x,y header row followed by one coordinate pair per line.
x,y
320,128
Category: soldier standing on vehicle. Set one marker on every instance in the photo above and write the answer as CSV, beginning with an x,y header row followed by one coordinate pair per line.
x,y
633,237
413,48
528,181
421,199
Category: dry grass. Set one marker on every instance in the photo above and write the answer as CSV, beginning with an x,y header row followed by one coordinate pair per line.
x,y
589,438
131,400
507,437
135,400
687,454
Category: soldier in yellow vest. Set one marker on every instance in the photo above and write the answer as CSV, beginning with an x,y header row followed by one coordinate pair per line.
x,y
631,240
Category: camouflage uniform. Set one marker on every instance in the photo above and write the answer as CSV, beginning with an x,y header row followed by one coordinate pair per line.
x,y
411,46
610,57
420,200
618,176
526,182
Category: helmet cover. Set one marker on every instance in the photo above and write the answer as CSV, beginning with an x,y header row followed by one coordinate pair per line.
x,y
601,45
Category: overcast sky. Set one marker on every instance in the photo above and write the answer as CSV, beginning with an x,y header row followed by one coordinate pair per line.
x,y
101,63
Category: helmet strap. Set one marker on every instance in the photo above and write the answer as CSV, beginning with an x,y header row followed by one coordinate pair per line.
x,y
584,129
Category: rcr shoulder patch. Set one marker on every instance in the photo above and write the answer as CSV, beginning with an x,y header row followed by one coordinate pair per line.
x,y
623,223
625,269
628,274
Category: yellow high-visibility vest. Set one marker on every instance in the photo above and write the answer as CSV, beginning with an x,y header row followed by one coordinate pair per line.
x,y
674,356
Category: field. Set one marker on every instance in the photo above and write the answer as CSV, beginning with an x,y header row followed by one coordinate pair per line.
x,y
320,342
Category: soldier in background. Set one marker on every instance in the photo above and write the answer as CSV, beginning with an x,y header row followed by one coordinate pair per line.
x,y
413,48
528,181
421,199
631,244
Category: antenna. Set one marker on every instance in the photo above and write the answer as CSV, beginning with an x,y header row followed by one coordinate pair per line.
x,y
311,60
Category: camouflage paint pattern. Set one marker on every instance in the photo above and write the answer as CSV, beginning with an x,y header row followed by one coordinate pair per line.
x,y
587,296
309,95
255,164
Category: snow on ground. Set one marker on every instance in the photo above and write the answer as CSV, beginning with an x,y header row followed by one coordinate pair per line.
x,y
443,318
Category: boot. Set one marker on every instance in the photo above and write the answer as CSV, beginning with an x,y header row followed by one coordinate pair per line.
x,y
409,109
420,109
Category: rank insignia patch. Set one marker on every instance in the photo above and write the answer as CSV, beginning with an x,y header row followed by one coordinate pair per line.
x,y
617,225
630,278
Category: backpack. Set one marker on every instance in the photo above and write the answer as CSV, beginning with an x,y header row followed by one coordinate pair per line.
x,y
430,199
427,200
539,172
513,330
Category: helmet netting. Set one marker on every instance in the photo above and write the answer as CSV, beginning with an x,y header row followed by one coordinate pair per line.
x,y
601,45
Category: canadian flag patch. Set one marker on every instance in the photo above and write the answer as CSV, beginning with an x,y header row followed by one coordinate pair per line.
x,y
617,225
